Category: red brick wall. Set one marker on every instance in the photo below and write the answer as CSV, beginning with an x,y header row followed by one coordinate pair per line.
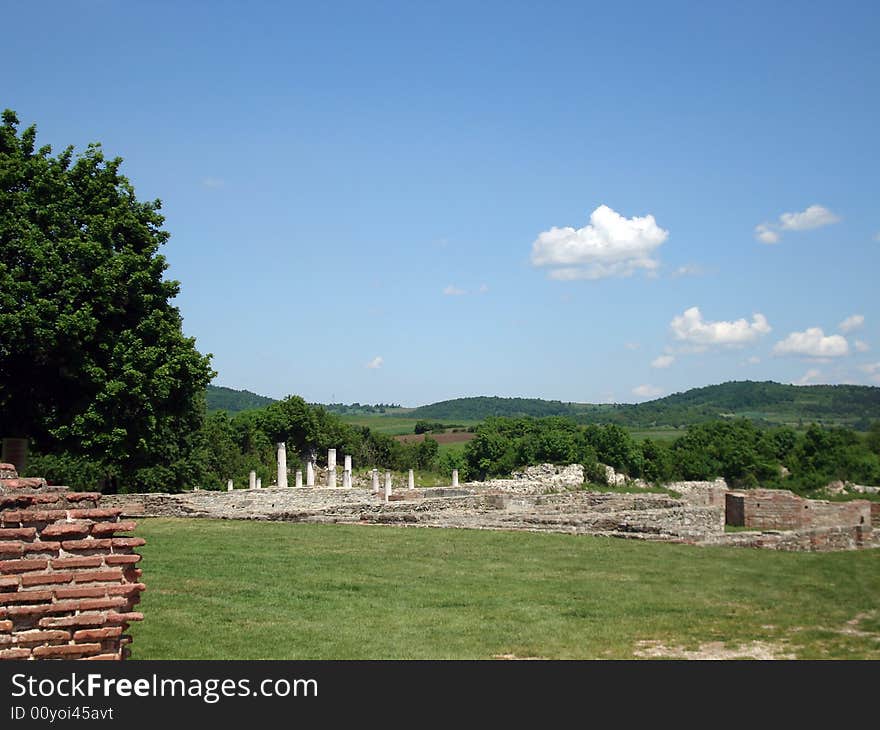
x,y
68,582
779,509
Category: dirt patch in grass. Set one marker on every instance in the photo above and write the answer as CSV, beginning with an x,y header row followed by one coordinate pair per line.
x,y
712,650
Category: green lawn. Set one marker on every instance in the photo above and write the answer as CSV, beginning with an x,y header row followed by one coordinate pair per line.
x,y
257,590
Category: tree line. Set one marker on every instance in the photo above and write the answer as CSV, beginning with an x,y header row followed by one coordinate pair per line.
x,y
745,454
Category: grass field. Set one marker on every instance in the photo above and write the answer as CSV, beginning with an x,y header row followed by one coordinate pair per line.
x,y
257,590
392,424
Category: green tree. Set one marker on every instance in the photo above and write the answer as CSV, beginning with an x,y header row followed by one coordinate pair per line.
x,y
93,359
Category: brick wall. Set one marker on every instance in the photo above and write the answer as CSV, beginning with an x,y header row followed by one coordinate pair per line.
x,y
780,509
68,582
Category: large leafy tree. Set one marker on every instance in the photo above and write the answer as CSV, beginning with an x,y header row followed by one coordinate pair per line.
x,y
93,360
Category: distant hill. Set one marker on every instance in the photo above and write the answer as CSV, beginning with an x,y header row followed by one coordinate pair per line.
x,y
851,405
476,409
233,401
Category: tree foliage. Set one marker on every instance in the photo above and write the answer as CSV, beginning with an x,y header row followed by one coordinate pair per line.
x,y
93,360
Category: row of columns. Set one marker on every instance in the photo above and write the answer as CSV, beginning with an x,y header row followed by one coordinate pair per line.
x,y
255,482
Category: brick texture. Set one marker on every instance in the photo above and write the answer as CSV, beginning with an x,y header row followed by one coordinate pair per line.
x,y
68,581
780,509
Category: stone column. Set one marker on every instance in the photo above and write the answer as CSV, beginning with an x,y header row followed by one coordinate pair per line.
x,y
411,480
282,463
259,482
387,485
455,477
375,481
346,473
252,479
331,467
299,478
310,473
229,486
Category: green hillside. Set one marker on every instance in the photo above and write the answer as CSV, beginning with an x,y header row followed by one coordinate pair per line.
x,y
851,405
218,398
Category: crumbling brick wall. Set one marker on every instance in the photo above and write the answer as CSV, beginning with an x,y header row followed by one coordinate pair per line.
x,y
780,509
68,582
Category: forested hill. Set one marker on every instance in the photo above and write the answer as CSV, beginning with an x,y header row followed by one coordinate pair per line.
x,y
851,405
232,401
476,409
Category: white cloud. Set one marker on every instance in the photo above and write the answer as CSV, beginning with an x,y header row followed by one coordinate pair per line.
x,y
765,234
664,361
812,343
610,245
212,182
753,360
815,216
872,370
632,345
483,289
376,363
811,375
453,291
688,270
862,346
647,391
851,323
692,328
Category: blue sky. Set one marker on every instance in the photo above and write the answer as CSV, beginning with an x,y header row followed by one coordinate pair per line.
x,y
361,196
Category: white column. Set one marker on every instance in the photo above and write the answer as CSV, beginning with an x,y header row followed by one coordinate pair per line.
x,y
387,485
455,477
310,474
375,481
281,448
229,485
299,478
411,480
331,467
259,482
252,479
346,474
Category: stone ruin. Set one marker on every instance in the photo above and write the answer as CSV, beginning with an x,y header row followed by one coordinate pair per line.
x,y
68,582
540,498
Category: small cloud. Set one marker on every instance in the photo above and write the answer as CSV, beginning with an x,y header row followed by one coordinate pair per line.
x,y
690,327
851,323
213,182
812,343
376,363
815,216
632,345
808,377
483,289
872,370
664,361
647,391
861,346
688,270
440,243
610,245
453,291
765,234
877,236
753,360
